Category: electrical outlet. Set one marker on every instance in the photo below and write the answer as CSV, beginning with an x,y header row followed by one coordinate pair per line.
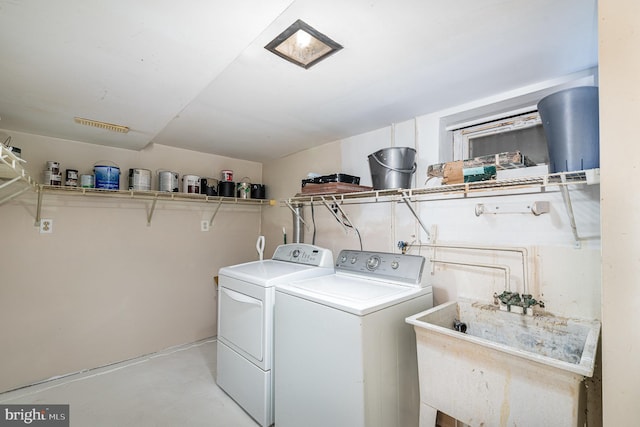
x,y
204,225
46,226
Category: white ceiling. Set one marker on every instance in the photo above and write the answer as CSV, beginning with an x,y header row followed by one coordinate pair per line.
x,y
194,74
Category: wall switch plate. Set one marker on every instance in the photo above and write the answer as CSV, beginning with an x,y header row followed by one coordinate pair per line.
x,y
204,225
46,226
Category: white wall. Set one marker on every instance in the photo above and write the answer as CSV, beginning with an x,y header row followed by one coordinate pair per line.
x,y
566,277
104,286
283,178
620,159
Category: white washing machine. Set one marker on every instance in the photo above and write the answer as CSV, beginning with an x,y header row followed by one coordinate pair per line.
x,y
245,322
344,355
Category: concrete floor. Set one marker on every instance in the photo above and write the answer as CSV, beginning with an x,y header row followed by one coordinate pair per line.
x,y
175,387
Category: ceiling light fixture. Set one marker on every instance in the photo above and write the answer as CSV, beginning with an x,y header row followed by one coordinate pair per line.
x,y
101,125
303,45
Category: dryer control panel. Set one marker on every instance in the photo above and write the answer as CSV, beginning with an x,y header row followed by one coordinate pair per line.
x,y
301,253
397,268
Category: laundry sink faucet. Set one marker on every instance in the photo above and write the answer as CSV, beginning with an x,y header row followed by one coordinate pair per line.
x,y
509,299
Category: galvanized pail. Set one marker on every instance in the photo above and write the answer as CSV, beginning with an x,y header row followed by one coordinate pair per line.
x,y
392,167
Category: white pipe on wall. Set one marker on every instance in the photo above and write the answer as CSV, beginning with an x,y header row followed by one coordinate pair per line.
x,y
505,268
522,250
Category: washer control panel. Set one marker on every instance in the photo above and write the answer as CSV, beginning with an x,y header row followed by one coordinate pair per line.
x,y
404,269
301,253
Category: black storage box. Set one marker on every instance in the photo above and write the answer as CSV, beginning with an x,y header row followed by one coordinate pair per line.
x,y
336,177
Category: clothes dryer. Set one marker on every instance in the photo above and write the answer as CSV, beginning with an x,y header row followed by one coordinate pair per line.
x,y
245,322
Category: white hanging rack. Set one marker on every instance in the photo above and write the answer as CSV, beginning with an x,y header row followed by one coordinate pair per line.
x,y
14,179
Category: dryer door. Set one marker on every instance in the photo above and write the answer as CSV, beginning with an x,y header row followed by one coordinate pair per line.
x,y
241,323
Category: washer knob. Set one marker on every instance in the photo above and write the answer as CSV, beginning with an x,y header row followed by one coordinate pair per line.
x,y
395,265
354,259
296,253
373,262
343,258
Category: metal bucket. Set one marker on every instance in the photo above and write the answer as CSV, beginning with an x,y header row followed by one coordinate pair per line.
x,y
392,167
53,166
243,188
571,125
139,179
51,178
168,181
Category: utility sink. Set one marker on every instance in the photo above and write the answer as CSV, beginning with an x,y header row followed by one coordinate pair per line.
x,y
506,369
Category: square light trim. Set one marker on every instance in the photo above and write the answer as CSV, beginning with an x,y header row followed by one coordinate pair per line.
x,y
303,45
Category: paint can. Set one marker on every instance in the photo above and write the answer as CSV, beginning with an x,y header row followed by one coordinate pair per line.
x,y
168,181
243,189
191,184
53,167
258,191
209,186
227,188
86,181
71,178
107,177
51,178
139,179
227,175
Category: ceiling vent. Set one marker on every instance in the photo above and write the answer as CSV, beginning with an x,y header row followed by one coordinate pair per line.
x,y
101,125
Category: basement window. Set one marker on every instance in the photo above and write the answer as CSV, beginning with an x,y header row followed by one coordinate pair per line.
x,y
522,132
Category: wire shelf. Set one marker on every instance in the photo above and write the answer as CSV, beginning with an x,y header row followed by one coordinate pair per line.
x,y
479,188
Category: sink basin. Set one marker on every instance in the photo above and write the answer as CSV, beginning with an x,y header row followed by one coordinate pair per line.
x,y
507,369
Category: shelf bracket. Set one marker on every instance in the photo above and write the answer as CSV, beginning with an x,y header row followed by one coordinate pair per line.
x,y
297,215
151,211
342,212
335,214
39,206
16,194
564,190
11,181
406,199
215,213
